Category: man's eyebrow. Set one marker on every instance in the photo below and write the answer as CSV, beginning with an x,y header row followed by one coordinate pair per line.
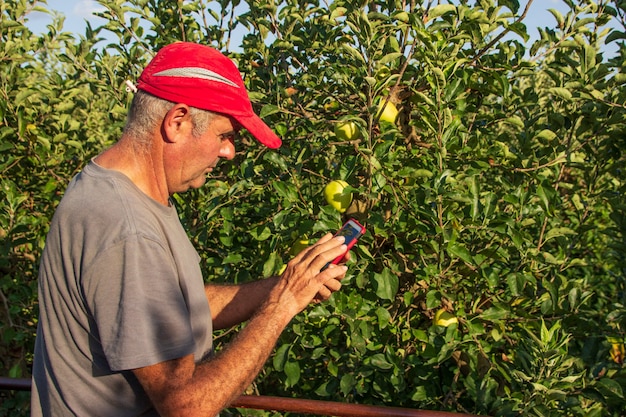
x,y
230,134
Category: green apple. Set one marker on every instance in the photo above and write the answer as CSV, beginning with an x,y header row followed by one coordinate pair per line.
x,y
444,318
299,246
337,196
389,113
332,105
347,131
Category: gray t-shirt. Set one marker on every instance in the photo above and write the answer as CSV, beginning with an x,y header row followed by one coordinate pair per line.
x,y
120,288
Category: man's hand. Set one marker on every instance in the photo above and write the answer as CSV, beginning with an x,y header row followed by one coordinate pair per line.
x,y
304,280
332,285
329,287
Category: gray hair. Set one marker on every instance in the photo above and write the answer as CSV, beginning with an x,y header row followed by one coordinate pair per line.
x,y
147,111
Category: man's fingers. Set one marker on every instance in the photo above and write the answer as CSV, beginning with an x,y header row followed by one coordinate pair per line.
x,y
305,275
321,253
304,252
327,290
330,286
333,284
346,258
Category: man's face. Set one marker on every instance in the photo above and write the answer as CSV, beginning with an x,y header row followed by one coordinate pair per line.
x,y
193,158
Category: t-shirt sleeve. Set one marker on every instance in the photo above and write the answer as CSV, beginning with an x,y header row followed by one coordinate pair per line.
x,y
139,310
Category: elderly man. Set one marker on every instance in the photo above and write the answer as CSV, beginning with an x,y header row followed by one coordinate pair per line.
x,y
126,320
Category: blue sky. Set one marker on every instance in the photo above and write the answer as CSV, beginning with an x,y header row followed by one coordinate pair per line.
x,y
77,11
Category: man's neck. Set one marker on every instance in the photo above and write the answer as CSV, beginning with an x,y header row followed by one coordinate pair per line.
x,y
142,164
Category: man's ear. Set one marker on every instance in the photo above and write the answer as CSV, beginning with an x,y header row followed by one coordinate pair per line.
x,y
177,122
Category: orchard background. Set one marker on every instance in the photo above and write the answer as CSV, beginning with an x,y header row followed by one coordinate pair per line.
x,y
497,195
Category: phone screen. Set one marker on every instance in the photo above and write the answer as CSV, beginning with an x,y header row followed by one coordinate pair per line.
x,y
351,230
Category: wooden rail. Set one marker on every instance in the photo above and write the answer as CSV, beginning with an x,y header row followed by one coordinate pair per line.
x,y
329,408
17,384
293,405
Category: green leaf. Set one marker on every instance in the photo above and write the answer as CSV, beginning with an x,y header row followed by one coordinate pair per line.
x,y
281,356
564,93
276,159
610,388
379,361
332,368
338,12
292,370
392,57
546,134
615,35
515,121
439,77
270,265
557,232
353,53
15,371
268,110
440,10
387,285
420,394
233,258
261,232
384,318
544,195
325,390
560,20
433,299
424,98
414,173
457,250
497,312
22,96
347,384
286,191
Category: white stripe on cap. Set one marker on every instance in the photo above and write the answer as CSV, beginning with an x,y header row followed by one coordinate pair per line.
x,y
195,72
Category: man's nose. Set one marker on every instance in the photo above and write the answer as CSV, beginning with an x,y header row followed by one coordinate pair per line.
x,y
227,151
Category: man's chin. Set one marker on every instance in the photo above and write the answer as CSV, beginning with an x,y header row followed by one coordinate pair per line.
x,y
196,183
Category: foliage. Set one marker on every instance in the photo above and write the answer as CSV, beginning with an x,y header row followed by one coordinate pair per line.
x,y
497,195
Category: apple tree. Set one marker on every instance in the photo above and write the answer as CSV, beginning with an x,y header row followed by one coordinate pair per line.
x,y
491,279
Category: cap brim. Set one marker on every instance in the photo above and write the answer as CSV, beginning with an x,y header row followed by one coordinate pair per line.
x,y
260,130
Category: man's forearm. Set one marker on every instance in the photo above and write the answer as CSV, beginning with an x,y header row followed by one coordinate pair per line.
x,y
234,304
245,356
181,388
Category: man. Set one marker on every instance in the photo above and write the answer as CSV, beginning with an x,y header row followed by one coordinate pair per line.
x,y
125,318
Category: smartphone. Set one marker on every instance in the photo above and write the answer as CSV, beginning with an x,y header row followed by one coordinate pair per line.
x,y
352,230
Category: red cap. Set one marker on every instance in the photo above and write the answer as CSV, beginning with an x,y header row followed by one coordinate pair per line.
x,y
202,77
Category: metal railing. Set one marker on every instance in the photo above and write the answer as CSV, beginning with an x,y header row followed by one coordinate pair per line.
x,y
292,405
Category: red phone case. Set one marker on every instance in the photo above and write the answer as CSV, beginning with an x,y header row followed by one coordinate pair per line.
x,y
352,230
